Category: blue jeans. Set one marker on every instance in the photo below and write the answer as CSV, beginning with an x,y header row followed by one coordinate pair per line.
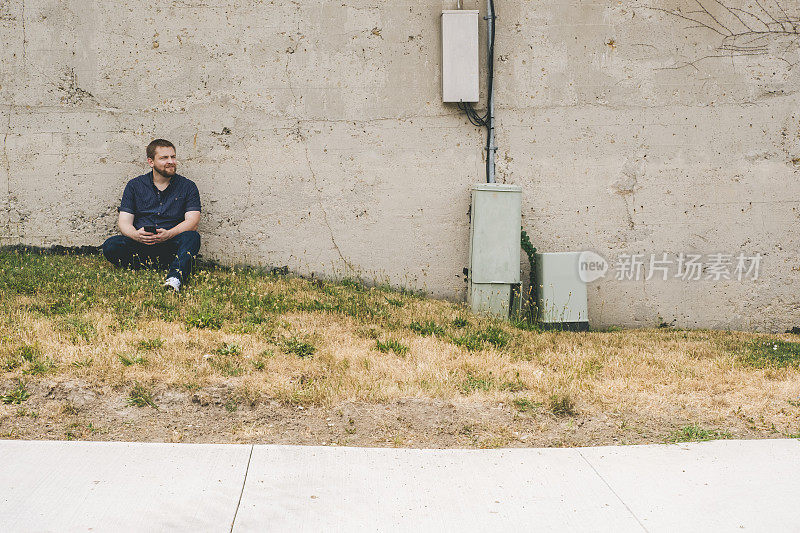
x,y
178,253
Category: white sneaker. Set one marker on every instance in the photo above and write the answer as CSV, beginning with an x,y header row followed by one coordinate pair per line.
x,y
173,284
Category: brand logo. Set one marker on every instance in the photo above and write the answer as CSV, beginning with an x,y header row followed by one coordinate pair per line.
x,y
591,266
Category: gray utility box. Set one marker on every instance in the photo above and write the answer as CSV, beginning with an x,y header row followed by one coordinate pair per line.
x,y
561,294
460,55
494,247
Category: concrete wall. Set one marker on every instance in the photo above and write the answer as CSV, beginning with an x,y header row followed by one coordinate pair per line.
x,y
316,134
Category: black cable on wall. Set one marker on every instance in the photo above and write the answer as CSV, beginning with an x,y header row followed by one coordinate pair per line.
x,y
485,120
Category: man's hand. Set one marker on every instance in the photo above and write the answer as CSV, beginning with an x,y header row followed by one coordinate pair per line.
x,y
163,235
145,237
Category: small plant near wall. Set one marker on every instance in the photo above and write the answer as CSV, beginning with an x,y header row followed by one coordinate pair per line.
x,y
530,312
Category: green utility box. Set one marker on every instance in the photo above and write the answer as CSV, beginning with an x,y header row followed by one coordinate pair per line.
x,y
494,251
561,294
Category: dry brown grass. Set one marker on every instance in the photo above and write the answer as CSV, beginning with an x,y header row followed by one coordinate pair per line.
x,y
105,318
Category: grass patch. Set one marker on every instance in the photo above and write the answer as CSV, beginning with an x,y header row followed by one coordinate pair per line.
x,y
79,329
290,340
459,322
525,404
772,354
128,360
39,366
149,345
17,395
141,396
19,357
204,319
561,405
394,301
9,364
478,340
27,352
695,433
473,382
228,350
260,362
302,349
391,345
426,328
227,366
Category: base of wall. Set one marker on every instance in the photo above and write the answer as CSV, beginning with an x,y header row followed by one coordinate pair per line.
x,y
565,326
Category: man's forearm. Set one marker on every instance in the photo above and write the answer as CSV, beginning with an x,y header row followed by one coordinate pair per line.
x,y
127,229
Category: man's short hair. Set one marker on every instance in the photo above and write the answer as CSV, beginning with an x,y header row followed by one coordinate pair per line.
x,y
151,148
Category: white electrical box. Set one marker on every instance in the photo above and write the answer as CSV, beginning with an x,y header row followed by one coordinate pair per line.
x,y
561,293
494,252
460,55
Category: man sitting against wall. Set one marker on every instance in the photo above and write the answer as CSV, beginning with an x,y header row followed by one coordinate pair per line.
x,y
158,219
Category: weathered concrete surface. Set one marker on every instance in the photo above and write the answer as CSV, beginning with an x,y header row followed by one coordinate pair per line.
x,y
103,486
720,486
357,489
119,486
316,134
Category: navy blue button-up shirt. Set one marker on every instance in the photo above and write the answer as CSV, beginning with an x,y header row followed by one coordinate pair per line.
x,y
163,209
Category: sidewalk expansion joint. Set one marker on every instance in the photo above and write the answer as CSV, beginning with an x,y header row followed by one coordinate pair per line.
x,y
244,482
613,491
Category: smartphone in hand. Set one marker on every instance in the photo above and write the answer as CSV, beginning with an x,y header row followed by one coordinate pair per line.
x,y
150,229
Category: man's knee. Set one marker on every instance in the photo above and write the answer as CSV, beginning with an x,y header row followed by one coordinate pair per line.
x,y
115,247
190,240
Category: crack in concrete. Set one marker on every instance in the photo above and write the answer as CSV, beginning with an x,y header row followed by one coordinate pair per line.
x,y
24,36
314,174
249,181
319,199
7,165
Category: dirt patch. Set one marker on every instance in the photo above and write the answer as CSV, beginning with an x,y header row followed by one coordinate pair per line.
x,y
73,410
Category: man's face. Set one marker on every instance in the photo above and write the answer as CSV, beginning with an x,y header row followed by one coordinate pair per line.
x,y
164,162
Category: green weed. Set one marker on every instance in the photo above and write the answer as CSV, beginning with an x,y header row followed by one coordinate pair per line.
x,y
459,322
426,328
296,347
227,366
79,328
204,319
128,360
695,433
526,404
27,352
141,396
561,405
474,382
228,349
772,354
16,395
149,345
39,366
9,364
391,345
394,302
259,363
478,340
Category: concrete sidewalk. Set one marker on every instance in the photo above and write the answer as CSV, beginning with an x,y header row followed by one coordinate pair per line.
x,y
93,486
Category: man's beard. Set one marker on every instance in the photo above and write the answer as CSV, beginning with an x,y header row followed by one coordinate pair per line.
x,y
167,171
